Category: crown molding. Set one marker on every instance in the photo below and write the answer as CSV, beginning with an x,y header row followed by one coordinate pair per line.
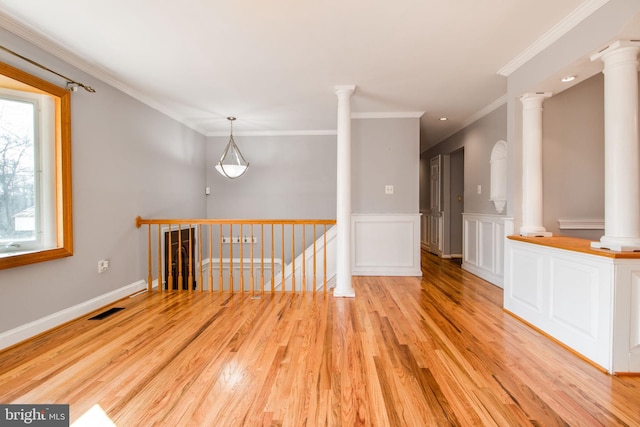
x,y
17,27
486,110
475,117
329,132
389,115
554,34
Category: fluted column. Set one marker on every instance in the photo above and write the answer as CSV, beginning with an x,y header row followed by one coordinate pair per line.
x,y
532,203
621,147
344,287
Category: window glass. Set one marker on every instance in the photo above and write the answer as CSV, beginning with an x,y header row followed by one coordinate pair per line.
x,y
35,175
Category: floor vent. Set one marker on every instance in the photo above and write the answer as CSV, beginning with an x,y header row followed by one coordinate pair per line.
x,y
106,313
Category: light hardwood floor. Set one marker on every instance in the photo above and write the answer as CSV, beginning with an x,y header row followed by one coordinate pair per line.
x,y
405,352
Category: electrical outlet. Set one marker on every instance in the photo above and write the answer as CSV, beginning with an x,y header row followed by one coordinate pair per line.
x,y
238,239
103,265
388,189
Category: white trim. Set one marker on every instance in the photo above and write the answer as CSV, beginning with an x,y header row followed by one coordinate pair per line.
x,y
51,321
581,224
389,115
328,132
386,245
483,246
554,34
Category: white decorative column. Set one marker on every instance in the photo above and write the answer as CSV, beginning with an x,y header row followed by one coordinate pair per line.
x,y
532,206
621,147
344,288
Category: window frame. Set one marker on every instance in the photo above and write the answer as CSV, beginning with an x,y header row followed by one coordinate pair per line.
x,y
63,222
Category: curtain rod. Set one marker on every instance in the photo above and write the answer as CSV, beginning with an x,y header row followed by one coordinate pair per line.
x,y
72,85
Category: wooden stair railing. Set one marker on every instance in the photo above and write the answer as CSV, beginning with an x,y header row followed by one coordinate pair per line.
x,y
192,268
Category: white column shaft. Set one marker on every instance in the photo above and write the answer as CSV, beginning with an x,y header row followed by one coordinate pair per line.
x,y
532,201
622,153
344,287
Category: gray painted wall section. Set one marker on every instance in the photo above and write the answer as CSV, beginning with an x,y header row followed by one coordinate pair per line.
x,y
288,177
573,157
128,160
385,152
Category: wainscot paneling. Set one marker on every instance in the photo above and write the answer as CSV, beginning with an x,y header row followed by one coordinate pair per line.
x,y
483,246
590,303
386,245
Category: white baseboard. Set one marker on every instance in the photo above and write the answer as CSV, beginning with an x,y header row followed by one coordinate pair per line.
x,y
490,277
31,329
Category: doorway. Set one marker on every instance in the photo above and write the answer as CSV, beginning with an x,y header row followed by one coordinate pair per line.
x,y
456,204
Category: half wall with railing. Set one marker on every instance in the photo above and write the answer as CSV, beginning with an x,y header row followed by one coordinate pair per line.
x,y
240,255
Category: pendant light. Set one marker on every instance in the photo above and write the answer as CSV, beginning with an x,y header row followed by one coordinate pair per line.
x,y
232,164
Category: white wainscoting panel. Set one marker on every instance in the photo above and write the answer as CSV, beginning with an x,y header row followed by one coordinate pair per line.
x,y
386,245
483,246
589,302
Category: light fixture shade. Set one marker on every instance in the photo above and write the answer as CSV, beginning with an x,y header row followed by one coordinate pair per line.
x,y
232,163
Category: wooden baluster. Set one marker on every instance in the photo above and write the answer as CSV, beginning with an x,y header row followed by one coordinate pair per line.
x,y
282,258
210,281
180,257
231,258
315,253
261,259
251,255
170,265
220,257
199,263
293,259
273,254
324,257
160,284
303,285
190,276
241,261
149,256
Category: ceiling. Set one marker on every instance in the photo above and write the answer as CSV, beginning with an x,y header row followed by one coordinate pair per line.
x,y
274,64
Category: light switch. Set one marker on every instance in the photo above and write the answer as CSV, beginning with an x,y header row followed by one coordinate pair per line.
x,y
388,189
479,189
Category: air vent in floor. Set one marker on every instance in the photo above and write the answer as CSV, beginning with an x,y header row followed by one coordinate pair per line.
x,y
106,313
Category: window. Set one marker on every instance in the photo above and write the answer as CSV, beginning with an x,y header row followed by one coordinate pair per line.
x,y
35,170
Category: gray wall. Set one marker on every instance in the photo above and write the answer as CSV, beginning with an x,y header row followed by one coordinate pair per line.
x,y
573,157
385,152
478,140
128,160
288,177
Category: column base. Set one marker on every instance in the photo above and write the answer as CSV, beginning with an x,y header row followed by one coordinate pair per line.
x,y
534,231
344,293
616,246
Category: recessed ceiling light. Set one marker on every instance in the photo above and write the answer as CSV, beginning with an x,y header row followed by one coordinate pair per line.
x,y
567,79
442,119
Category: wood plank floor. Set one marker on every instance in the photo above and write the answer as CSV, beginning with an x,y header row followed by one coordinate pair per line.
x,y
405,352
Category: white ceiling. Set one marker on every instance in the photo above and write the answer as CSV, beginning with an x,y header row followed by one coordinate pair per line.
x,y
274,64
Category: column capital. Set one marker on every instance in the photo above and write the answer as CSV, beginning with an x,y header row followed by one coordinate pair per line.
x,y
532,97
630,46
344,89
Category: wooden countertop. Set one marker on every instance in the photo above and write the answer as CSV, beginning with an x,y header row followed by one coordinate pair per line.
x,y
574,244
